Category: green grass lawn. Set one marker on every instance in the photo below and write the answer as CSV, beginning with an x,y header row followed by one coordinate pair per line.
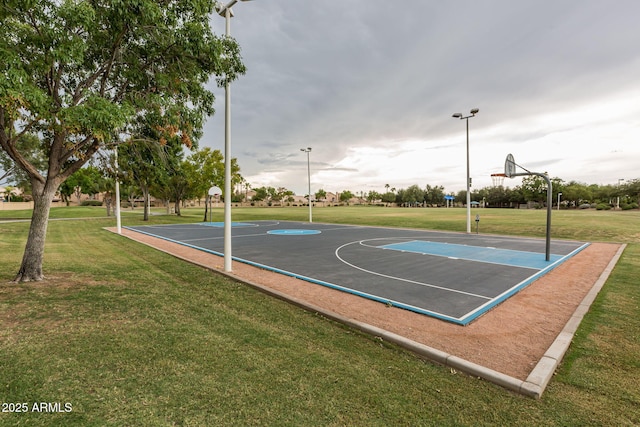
x,y
130,336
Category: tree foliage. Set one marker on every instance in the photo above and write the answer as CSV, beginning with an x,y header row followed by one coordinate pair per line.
x,y
345,196
204,169
82,74
88,180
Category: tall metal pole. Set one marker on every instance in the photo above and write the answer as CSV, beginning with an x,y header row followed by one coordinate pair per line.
x,y
308,151
473,112
549,203
549,208
468,184
227,13
118,219
227,160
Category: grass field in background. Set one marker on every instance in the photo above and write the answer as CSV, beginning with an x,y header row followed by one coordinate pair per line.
x,y
583,225
131,336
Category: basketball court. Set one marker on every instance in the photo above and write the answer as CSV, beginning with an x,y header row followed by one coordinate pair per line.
x,y
450,276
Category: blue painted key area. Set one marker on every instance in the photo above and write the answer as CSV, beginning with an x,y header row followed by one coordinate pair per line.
x,y
293,232
476,253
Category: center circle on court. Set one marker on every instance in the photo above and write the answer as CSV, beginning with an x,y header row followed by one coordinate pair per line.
x,y
293,232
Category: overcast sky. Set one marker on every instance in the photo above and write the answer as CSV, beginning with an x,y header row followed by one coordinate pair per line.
x,y
371,86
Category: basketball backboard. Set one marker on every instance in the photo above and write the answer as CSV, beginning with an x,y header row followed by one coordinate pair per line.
x,y
510,166
215,191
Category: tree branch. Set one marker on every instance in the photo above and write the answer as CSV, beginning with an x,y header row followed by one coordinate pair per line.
x,y
116,48
103,70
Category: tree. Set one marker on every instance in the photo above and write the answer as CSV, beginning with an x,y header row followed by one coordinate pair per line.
x,y
373,196
345,196
413,195
67,189
282,193
496,196
630,193
461,195
260,195
87,180
389,197
178,187
108,187
205,169
534,188
144,164
79,74
108,183
434,195
574,193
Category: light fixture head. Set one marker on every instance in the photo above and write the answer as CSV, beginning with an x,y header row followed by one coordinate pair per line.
x,y
475,111
457,115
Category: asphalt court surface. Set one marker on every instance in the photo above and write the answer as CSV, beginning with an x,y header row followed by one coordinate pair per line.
x,y
451,276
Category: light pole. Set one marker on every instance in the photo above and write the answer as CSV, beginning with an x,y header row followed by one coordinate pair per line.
x,y
308,151
227,13
461,117
559,194
118,217
620,180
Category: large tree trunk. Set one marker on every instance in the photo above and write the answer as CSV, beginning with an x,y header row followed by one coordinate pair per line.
x,y
31,268
145,192
108,203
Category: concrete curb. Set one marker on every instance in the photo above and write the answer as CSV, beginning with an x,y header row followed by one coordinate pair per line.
x,y
540,376
533,386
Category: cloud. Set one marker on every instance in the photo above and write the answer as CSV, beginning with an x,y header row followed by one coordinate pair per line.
x,y
371,86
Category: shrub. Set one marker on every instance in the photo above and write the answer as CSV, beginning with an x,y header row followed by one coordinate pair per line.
x,y
91,203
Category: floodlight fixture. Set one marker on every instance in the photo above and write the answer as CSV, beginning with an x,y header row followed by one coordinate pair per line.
x,y
222,10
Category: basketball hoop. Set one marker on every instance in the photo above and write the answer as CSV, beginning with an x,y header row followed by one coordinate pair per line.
x,y
498,179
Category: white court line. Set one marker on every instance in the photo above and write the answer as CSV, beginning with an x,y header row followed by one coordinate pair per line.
x,y
400,278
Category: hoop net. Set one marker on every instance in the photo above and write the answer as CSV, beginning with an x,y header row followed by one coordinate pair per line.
x,y
498,179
